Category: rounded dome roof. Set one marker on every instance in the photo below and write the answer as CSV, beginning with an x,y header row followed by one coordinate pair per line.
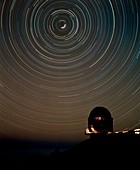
x,y
100,111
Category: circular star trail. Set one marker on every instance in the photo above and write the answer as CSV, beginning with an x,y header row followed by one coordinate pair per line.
x,y
60,59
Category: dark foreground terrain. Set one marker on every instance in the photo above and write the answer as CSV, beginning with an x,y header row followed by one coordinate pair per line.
x,y
100,151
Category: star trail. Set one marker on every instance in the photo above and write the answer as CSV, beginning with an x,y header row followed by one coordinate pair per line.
x,y
60,59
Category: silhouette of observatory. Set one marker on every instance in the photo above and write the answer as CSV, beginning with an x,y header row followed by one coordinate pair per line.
x,y
99,121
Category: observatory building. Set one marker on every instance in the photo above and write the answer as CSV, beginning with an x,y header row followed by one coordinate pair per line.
x,y
99,121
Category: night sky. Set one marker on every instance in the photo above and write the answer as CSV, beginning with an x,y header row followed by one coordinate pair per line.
x,y
59,59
